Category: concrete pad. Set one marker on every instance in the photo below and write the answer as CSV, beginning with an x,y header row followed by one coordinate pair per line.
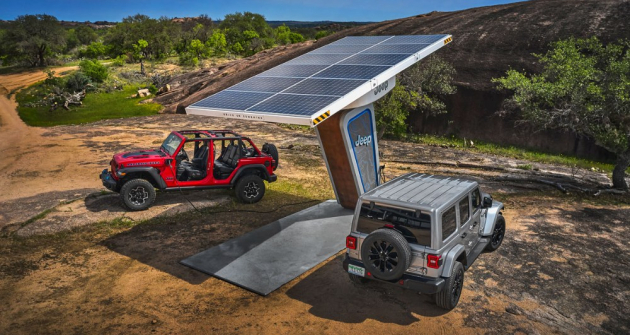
x,y
265,259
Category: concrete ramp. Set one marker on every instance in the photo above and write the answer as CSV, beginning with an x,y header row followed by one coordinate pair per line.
x,y
265,259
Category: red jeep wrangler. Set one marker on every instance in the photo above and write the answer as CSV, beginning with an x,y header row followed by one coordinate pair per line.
x,y
220,159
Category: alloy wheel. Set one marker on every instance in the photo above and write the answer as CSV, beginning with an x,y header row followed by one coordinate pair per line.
x,y
251,190
384,256
138,195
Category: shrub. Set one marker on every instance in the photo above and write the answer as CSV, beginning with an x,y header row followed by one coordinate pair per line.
x,y
94,70
322,33
152,89
94,50
119,61
188,59
77,81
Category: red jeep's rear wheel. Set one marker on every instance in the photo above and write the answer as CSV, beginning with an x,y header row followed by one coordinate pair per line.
x,y
250,189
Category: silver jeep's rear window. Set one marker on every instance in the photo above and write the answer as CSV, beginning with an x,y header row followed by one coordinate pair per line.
x,y
414,225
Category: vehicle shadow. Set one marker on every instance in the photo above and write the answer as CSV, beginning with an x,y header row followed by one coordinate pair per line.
x,y
165,202
333,296
162,242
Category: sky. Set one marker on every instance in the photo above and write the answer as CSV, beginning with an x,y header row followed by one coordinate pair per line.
x,y
298,10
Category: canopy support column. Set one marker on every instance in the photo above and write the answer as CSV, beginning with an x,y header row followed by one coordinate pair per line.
x,y
350,150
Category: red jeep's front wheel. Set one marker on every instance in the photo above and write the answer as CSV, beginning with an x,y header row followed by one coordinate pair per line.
x,y
250,189
137,194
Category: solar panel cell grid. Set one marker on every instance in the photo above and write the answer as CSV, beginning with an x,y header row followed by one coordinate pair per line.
x,y
325,86
341,49
232,100
375,59
292,104
300,71
409,49
351,72
265,84
414,39
317,59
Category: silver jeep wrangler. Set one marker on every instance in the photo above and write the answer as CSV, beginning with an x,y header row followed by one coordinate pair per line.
x,y
421,232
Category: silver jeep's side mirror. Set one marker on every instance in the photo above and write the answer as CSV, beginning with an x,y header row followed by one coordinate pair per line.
x,y
487,201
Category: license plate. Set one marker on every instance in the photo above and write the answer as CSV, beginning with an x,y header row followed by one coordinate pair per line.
x,y
356,270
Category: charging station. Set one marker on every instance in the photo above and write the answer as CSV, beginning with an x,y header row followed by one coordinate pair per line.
x,y
333,89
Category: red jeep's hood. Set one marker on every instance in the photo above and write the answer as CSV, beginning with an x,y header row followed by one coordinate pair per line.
x,y
140,158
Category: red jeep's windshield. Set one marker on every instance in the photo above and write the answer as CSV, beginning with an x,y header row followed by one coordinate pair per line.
x,y
171,143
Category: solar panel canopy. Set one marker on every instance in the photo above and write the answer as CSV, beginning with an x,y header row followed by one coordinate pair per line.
x,y
321,82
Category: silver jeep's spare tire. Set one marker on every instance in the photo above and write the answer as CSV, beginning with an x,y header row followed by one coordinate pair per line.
x,y
386,254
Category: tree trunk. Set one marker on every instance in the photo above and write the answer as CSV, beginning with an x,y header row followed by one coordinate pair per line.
x,y
142,67
619,173
40,55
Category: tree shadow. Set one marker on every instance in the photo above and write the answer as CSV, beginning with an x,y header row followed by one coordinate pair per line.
x,y
334,297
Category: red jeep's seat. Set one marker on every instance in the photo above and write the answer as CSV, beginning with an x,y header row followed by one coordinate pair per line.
x,y
225,164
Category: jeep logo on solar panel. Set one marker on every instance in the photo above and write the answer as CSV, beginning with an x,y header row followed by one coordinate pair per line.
x,y
381,87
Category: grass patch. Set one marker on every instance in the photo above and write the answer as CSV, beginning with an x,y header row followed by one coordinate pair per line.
x,y
512,152
10,69
96,106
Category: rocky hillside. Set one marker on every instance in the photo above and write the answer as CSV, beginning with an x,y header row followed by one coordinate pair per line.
x,y
486,42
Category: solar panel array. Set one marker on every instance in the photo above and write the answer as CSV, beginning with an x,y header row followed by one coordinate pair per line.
x,y
304,87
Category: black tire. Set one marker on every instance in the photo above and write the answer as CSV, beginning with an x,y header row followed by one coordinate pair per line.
x,y
449,296
250,189
386,254
137,194
497,234
358,279
271,150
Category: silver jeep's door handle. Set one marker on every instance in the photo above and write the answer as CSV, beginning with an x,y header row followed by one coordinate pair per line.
x,y
464,235
475,224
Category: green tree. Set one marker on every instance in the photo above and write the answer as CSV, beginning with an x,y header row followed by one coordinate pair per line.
x,y
584,87
217,42
140,52
420,89
237,48
85,34
282,35
95,50
161,36
33,39
72,41
197,48
393,110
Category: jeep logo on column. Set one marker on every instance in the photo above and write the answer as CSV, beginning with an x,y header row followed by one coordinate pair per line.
x,y
363,148
365,140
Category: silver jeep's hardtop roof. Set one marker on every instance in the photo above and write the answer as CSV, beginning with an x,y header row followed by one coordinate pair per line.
x,y
420,191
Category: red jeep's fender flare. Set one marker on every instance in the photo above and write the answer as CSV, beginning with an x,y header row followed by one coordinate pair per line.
x,y
153,174
247,169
